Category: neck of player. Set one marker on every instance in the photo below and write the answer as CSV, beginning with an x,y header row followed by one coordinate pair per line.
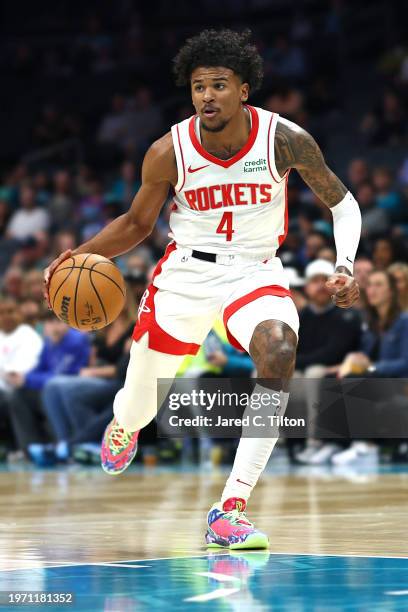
x,y
231,139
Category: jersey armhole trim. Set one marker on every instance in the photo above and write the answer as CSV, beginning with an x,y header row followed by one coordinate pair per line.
x,y
181,170
271,150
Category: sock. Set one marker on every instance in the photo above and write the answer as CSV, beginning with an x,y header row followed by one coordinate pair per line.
x,y
135,405
253,454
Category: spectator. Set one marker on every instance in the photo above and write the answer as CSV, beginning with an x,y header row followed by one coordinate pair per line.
x,y
13,282
326,335
115,125
30,219
20,345
399,272
33,287
387,123
65,351
124,189
91,211
387,198
314,242
71,402
61,202
358,173
363,266
384,346
145,119
374,220
20,348
384,349
383,253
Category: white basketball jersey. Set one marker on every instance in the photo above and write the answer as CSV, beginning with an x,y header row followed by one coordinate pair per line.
x,y
234,206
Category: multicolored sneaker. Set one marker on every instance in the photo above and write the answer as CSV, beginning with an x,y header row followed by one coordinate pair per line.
x,y
228,527
118,448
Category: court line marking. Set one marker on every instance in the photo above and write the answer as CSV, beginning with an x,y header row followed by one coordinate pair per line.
x,y
221,592
51,564
218,576
119,565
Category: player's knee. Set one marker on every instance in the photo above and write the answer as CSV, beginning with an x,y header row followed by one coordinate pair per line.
x,y
277,360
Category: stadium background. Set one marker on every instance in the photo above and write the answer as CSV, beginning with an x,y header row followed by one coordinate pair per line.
x,y
86,89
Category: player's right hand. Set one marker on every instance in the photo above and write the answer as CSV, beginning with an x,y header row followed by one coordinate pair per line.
x,y
48,272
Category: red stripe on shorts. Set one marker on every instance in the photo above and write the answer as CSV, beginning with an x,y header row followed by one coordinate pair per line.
x,y
275,290
159,340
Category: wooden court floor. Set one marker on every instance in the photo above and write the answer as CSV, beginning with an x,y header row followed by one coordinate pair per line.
x,y
85,516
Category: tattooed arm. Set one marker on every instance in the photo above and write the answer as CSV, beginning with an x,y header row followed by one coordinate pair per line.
x,y
295,148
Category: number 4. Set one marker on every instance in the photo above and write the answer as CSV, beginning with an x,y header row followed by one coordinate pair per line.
x,y
225,226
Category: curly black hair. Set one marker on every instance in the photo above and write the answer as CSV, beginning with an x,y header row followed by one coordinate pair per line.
x,y
220,48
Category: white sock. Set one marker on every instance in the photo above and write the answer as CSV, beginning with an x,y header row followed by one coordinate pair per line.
x,y
135,405
252,454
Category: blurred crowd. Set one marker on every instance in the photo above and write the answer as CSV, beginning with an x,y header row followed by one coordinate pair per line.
x,y
78,166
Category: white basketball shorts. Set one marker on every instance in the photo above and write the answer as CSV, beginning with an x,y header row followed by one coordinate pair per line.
x,y
187,294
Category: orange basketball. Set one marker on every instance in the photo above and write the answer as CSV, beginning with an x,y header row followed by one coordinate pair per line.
x,y
87,291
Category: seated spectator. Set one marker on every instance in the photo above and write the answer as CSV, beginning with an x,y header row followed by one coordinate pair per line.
x,y
91,211
33,287
72,402
20,347
358,173
384,253
384,349
124,188
384,344
29,219
327,253
363,266
115,125
386,124
399,271
387,197
63,241
13,282
374,219
61,202
326,335
65,351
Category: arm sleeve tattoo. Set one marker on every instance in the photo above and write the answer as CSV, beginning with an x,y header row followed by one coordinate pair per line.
x,y
296,148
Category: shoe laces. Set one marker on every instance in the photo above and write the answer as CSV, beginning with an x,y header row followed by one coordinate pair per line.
x,y
238,518
119,438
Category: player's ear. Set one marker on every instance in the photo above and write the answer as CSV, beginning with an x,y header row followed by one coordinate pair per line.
x,y
244,92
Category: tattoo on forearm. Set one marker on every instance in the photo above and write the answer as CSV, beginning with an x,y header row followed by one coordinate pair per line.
x,y
295,148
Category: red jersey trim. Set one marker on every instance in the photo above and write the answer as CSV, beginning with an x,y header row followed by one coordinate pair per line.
x,y
279,179
286,222
182,159
226,163
159,340
275,290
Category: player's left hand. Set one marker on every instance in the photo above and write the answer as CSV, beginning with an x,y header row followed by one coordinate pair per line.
x,y
344,289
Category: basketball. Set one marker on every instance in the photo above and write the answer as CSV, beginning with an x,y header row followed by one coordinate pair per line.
x,y
87,291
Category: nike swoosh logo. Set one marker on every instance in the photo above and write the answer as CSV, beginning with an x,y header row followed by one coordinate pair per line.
x,y
348,259
242,482
190,169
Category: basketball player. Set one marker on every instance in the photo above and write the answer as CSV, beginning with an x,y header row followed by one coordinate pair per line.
x,y
229,167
